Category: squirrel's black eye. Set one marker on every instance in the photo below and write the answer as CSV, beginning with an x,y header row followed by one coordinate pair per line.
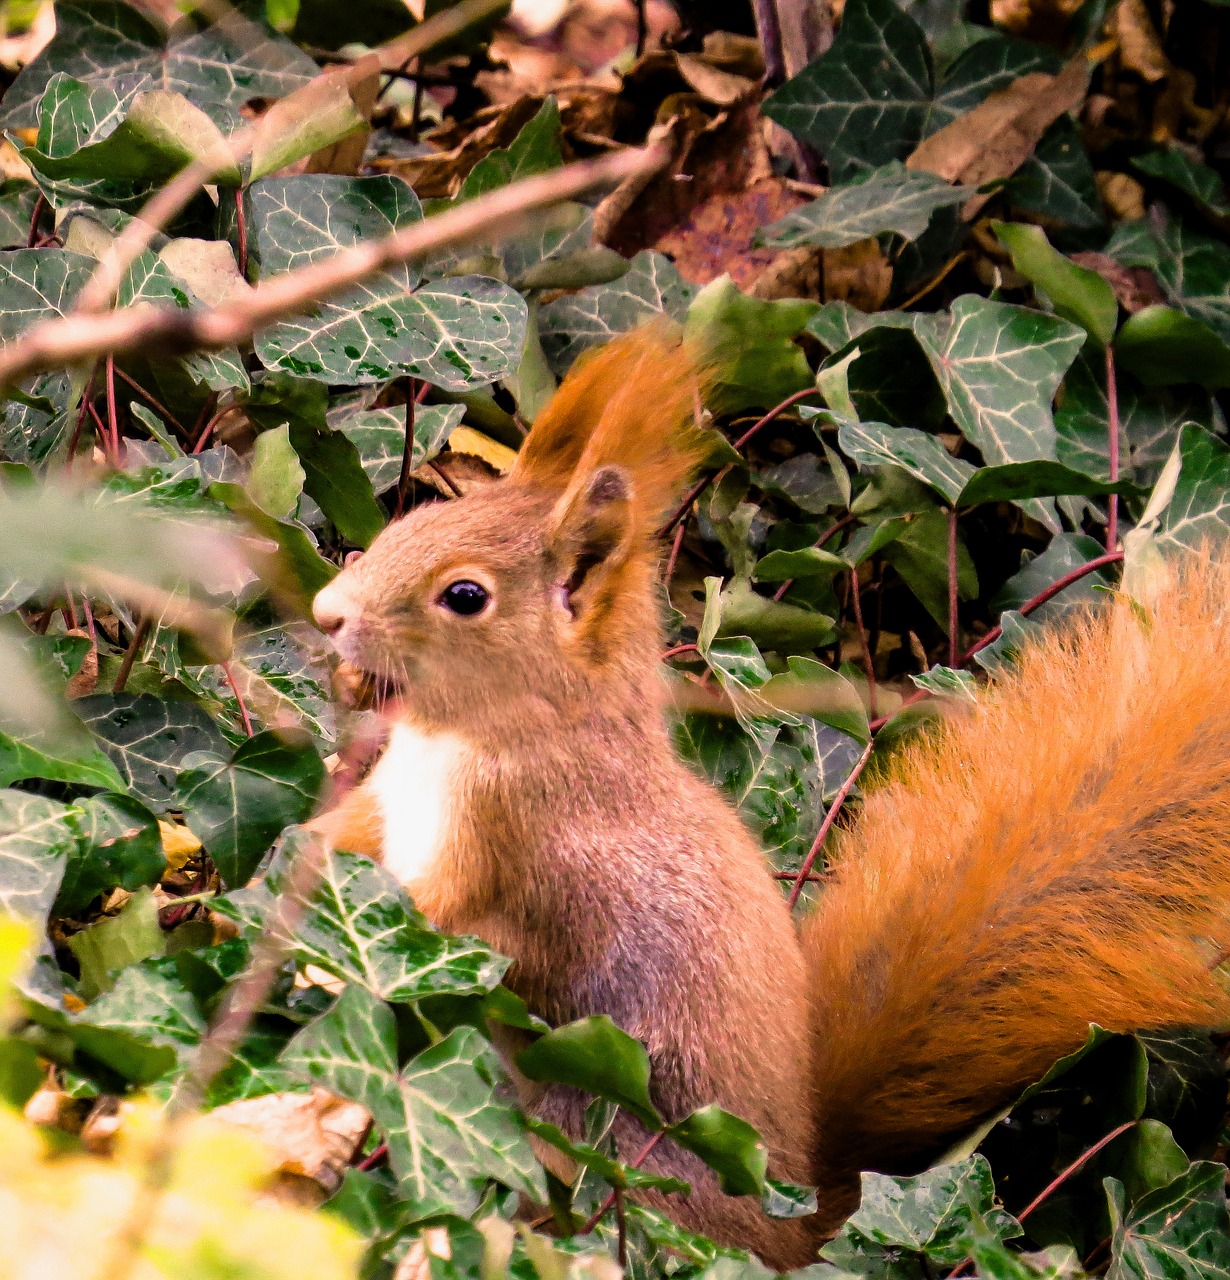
x,y
465,597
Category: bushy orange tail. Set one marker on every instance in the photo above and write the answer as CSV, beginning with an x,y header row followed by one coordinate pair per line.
x,y
1060,856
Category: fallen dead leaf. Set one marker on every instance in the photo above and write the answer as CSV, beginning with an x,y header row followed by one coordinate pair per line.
x,y
313,1135
1043,20
496,455
994,139
793,273
86,678
716,238
1140,48
178,843
859,274
1122,195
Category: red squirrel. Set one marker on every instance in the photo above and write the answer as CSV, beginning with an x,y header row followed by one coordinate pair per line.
x,y
1057,854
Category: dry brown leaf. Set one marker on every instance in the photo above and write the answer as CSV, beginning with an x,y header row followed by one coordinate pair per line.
x,y
859,274
1123,196
994,139
716,238
346,155
86,679
1042,20
1135,287
313,1135
1140,48
793,273
712,83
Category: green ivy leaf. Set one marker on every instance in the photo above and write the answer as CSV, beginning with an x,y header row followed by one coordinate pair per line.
x,y
650,287
380,434
933,1216
536,149
750,345
890,198
147,739
1181,1229
447,1133
1162,346
275,480
1075,292
238,806
457,333
119,845
1199,508
729,1146
336,481
595,1055
1058,181
608,1169
111,944
219,68
873,444
35,842
361,927
1177,167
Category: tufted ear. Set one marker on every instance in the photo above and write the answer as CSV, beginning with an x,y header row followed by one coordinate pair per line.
x,y
591,536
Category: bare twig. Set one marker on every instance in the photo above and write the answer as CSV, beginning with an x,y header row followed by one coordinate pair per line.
x,y
604,1208
130,656
56,343
827,824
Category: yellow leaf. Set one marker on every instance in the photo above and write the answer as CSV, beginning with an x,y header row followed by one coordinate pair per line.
x,y
178,844
467,440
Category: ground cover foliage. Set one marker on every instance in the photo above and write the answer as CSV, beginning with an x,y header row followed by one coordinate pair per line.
x,y
965,280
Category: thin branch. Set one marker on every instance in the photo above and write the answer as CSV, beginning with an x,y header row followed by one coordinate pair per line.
x,y
826,536
869,666
604,1208
407,451
152,400
677,650
1075,575
953,647
673,558
243,706
113,421
1112,428
241,233
1075,1167
130,655
826,826
39,206
701,485
499,214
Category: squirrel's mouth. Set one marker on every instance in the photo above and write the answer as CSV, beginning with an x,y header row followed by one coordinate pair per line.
x,y
364,690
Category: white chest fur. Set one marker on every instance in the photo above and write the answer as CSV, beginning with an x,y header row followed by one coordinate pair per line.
x,y
415,783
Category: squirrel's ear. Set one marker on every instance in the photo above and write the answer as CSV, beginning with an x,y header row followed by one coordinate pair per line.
x,y
591,533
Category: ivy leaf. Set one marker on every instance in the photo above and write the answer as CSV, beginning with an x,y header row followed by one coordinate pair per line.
x,y
361,927
1162,346
119,844
1075,292
999,367
1192,269
237,806
609,1170
536,149
38,284
873,444
90,131
1199,508
728,1145
56,756
447,1133
650,287
890,198
595,1055
112,943
140,1028
148,738
456,333
275,481
219,68
1058,179
1176,166
867,100
35,842
17,204
379,435
920,555
336,481
1181,1229
750,345
934,1215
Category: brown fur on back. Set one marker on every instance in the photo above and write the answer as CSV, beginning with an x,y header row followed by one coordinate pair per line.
x,y
1060,855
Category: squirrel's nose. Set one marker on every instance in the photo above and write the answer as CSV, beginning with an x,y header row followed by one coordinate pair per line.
x,y
330,609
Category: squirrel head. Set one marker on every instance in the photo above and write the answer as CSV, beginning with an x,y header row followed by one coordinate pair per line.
x,y
534,594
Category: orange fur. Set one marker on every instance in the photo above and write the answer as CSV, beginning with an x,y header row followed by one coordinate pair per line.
x,y
1060,855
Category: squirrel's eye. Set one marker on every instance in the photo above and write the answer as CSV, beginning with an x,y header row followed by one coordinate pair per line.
x,y
465,597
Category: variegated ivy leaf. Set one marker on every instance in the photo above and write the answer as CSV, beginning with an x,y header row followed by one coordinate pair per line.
x,y
650,287
148,738
35,842
447,1133
361,927
380,435
1178,1230
890,198
38,284
873,444
458,332
1199,509
218,67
